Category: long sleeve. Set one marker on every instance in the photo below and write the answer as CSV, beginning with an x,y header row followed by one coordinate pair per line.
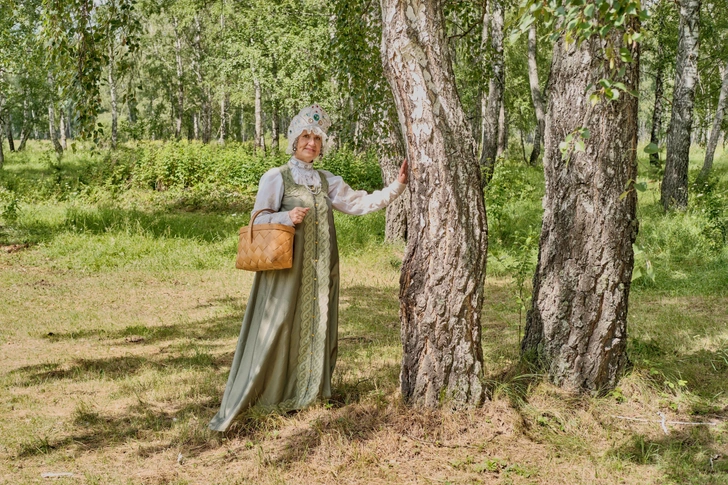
x,y
359,202
270,195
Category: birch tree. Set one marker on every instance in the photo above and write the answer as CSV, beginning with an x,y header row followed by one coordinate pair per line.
x,y
577,324
441,285
674,193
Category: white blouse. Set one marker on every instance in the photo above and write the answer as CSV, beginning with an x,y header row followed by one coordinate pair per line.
x,y
343,198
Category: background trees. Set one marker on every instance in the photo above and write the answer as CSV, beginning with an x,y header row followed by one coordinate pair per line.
x,y
228,70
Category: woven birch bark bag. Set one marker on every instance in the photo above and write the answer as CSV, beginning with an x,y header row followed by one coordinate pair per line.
x,y
264,247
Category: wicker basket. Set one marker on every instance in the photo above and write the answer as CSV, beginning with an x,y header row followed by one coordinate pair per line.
x,y
265,246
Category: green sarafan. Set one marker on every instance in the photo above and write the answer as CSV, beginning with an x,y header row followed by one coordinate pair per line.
x,y
121,308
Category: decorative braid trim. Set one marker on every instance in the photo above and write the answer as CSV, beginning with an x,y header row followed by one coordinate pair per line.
x,y
313,294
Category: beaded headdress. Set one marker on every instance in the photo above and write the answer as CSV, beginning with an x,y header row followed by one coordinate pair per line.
x,y
312,119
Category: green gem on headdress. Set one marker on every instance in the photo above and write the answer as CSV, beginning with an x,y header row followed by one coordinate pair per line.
x,y
316,117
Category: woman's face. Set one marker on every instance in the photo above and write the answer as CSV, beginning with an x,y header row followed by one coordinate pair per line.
x,y
308,147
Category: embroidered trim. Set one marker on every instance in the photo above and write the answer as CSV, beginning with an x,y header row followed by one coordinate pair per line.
x,y
313,294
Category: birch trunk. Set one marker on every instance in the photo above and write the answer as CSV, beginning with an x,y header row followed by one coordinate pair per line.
x,y
657,116
441,285
223,118
2,154
577,325
112,95
180,80
52,129
259,142
502,131
24,127
715,130
274,144
62,129
206,104
494,99
9,134
538,103
675,183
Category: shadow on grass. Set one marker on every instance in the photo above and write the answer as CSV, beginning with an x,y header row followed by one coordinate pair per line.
x,y
685,455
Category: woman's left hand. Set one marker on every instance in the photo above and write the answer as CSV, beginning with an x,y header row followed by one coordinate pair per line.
x,y
402,177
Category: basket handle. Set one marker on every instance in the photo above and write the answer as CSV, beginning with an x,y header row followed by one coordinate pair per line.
x,y
252,221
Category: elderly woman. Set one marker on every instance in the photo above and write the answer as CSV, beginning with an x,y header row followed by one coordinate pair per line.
x,y
287,347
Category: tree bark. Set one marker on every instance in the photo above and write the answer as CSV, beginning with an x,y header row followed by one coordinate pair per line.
x,y
715,130
502,131
24,128
259,142
657,116
2,154
390,159
441,285
675,183
206,104
274,144
9,134
491,104
112,95
180,80
577,325
223,117
62,129
538,103
52,129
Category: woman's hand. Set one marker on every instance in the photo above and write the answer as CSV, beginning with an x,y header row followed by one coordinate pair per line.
x,y
402,177
297,214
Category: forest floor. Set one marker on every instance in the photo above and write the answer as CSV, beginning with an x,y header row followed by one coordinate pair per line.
x,y
120,314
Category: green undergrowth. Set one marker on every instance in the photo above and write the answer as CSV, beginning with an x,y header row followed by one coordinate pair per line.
x,y
90,228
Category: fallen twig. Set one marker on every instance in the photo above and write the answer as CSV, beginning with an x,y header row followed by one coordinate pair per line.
x,y
663,421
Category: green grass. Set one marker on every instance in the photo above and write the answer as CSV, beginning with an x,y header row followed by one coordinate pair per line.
x,y
118,322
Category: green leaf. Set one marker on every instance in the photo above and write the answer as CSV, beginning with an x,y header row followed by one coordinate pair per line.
x,y
651,148
642,186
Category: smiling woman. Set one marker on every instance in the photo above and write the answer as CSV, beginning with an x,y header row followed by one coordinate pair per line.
x,y
287,347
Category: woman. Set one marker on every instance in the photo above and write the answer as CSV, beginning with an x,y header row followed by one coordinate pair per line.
x,y
287,347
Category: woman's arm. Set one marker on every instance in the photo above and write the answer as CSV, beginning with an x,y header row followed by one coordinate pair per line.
x,y
359,202
270,195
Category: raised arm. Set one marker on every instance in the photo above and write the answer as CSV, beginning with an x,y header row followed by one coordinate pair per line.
x,y
359,202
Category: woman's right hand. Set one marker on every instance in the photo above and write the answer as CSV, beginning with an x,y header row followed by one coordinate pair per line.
x,y
297,214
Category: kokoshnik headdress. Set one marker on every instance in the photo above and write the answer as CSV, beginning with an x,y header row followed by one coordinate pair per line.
x,y
312,119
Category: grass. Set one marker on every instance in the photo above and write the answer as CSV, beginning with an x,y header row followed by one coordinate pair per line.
x,y
119,318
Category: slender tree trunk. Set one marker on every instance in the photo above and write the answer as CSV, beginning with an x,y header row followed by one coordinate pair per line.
x,y
62,129
242,125
715,130
131,102
275,122
492,104
25,126
259,142
657,116
538,103
112,95
441,286
9,133
502,130
52,129
675,183
206,103
196,125
2,154
180,80
577,325
223,117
